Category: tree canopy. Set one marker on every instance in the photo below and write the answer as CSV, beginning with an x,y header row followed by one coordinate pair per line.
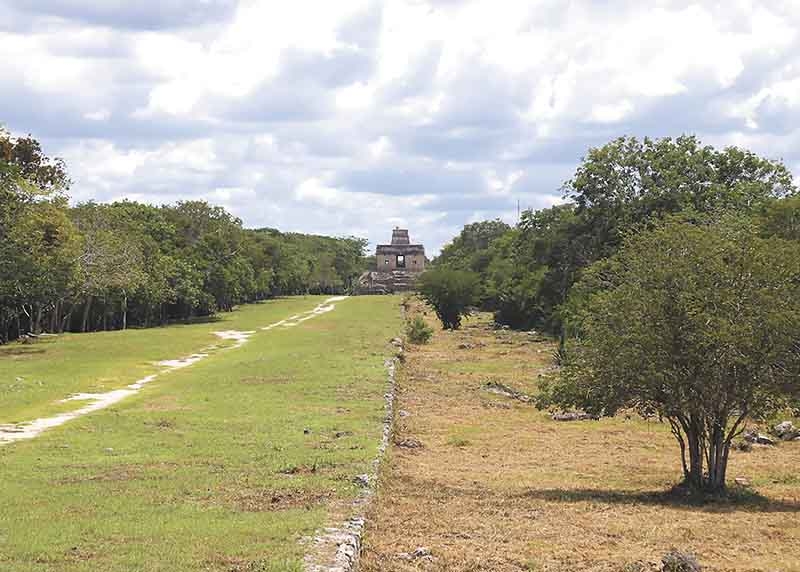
x,y
619,189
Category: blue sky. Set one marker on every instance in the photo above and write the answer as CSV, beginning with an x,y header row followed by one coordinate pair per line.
x,y
351,117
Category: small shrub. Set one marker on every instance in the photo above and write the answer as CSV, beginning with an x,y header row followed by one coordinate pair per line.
x,y
450,293
418,332
677,561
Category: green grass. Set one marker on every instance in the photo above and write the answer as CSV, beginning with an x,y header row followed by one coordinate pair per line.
x,y
33,377
222,466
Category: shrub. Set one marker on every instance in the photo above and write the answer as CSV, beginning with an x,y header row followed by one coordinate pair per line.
x,y
697,324
418,332
450,293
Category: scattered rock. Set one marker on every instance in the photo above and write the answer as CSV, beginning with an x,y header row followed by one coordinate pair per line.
x,y
409,443
465,346
743,446
421,552
742,481
497,405
340,434
397,342
363,481
573,416
677,561
108,450
306,431
643,566
786,431
403,413
753,436
501,389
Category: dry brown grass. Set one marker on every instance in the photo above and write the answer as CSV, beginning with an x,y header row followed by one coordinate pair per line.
x,y
499,486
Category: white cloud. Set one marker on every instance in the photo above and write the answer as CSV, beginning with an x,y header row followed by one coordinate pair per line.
x,y
355,115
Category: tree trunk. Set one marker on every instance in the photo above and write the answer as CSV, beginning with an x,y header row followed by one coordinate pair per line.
x,y
86,310
708,448
694,445
37,322
124,311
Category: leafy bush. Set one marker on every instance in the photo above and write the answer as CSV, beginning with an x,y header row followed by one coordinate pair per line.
x,y
450,293
417,331
697,324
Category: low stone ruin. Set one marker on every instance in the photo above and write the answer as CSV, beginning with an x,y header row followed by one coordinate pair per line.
x,y
573,416
754,437
506,391
786,431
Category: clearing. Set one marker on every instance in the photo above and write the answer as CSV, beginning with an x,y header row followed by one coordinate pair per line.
x,y
497,485
223,465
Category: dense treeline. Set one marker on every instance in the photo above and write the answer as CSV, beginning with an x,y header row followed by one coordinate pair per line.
x,y
527,272
110,266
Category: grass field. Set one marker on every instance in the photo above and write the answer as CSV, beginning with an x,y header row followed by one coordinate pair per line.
x,y
499,486
221,466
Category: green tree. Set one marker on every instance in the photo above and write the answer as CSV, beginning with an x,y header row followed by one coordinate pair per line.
x,y
470,249
619,189
450,293
782,218
696,324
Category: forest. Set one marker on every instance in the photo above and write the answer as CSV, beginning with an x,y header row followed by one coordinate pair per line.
x,y
92,266
527,272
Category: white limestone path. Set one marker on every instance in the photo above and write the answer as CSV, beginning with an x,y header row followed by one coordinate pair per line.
x,y
98,401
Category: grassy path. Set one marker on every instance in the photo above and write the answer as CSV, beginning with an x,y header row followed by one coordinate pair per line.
x,y
498,486
222,466
33,377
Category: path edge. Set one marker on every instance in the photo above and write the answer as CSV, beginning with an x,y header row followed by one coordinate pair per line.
x,y
340,547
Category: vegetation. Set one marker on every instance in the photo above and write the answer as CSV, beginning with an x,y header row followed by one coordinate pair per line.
x,y
620,188
418,331
110,266
701,332
220,466
559,496
450,293
698,325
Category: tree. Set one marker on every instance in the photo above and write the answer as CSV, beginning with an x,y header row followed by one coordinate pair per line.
x,y
620,188
628,183
782,218
468,250
450,293
698,324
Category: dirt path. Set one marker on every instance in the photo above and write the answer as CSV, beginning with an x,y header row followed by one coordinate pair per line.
x,y
479,481
98,401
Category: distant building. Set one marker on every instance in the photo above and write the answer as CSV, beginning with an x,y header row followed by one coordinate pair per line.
x,y
397,266
400,254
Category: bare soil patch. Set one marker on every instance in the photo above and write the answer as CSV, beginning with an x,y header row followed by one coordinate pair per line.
x,y
501,486
258,500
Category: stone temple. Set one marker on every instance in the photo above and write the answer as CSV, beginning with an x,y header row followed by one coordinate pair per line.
x,y
397,266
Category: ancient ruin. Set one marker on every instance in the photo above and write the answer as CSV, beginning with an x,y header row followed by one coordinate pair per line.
x,y
397,266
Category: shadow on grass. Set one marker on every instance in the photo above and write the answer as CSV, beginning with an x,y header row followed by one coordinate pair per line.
x,y
736,499
21,351
192,321
18,348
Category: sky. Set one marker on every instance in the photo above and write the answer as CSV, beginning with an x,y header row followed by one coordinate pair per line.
x,y
352,117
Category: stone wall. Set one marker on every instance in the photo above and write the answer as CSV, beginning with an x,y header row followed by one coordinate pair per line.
x,y
414,262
